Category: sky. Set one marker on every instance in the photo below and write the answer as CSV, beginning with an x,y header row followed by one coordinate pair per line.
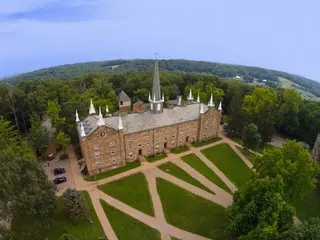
x,y
276,34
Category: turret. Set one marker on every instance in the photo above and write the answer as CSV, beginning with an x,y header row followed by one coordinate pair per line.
x,y
120,126
220,106
211,103
100,121
190,97
82,132
201,108
198,98
77,117
91,109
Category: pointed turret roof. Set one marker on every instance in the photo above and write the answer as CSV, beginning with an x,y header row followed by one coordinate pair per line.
x,y
107,109
211,103
120,123
156,91
91,109
123,96
220,106
201,108
82,132
190,97
100,121
198,98
77,117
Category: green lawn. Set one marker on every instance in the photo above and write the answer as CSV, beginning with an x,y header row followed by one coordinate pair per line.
x,y
237,140
132,190
180,149
202,168
115,171
127,227
82,230
251,156
203,143
309,206
190,212
229,163
176,171
156,157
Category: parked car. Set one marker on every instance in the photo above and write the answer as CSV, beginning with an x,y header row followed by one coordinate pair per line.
x,y
58,171
59,180
50,157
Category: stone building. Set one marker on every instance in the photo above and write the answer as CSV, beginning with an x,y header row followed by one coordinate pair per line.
x,y
113,141
124,102
316,149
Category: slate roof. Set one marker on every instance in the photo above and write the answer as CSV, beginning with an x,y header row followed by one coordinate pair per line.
x,y
123,96
137,122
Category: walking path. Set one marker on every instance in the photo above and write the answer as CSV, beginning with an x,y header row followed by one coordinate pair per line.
x,y
151,172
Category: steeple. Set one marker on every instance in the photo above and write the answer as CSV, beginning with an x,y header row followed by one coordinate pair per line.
x,y
77,117
156,102
198,98
100,121
120,123
220,106
91,109
190,97
82,132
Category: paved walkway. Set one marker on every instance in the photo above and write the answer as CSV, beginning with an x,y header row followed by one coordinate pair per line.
x,y
151,172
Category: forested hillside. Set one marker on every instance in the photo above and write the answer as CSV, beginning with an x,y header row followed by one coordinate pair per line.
x,y
67,72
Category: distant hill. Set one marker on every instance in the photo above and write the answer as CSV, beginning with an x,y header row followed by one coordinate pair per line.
x,y
249,74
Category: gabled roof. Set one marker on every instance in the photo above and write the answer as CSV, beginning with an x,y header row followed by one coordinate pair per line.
x,y
123,96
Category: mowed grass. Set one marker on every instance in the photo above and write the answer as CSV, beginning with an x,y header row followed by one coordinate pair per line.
x,y
176,171
127,227
113,172
190,212
202,168
156,157
180,149
309,206
229,163
203,143
132,190
82,230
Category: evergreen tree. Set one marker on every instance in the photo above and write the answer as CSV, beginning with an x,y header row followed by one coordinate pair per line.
x,y
75,205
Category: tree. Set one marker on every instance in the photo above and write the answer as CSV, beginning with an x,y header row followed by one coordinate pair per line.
x,y
310,229
251,137
294,164
289,109
75,205
25,190
236,114
67,236
261,109
259,210
53,112
38,134
140,94
62,140
6,234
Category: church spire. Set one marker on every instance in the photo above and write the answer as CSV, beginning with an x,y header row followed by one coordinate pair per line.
x,y
157,100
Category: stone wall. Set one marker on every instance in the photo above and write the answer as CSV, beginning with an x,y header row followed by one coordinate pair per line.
x,y
209,124
164,137
187,132
138,141
102,150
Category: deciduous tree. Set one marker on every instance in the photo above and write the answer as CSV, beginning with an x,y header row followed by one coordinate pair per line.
x,y
251,136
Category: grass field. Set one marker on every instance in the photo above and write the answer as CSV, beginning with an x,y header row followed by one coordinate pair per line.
x,y
174,170
190,212
229,163
156,157
202,168
180,149
309,206
115,171
126,227
132,190
82,230
203,143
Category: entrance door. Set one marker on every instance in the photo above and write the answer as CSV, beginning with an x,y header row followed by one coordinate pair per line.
x,y
140,152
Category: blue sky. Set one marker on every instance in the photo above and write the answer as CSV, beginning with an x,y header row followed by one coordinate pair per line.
x,y
277,34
